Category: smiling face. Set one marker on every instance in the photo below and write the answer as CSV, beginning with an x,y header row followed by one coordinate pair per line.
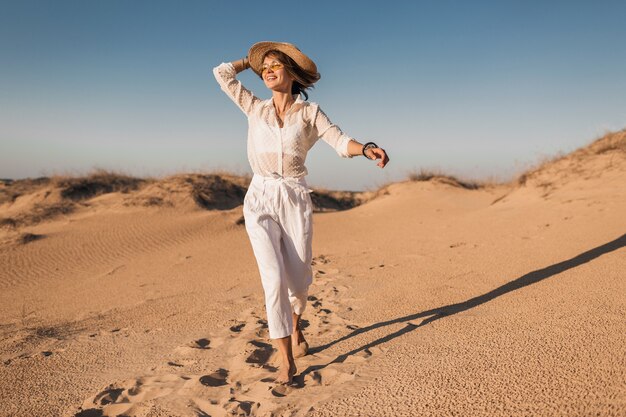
x,y
275,75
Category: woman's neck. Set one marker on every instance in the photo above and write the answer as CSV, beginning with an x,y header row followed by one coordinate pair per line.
x,y
282,101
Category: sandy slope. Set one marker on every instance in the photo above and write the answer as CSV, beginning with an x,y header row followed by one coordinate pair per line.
x,y
428,300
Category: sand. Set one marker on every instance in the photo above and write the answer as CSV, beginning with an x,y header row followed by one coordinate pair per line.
x,y
428,300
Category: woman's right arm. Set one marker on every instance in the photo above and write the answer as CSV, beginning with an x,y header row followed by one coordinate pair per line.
x,y
225,74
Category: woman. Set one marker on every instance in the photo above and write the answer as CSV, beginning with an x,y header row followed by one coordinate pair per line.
x,y
277,206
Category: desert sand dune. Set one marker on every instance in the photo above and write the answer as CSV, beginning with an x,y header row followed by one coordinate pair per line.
x,y
124,296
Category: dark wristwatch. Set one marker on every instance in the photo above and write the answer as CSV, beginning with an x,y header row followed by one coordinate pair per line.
x,y
368,145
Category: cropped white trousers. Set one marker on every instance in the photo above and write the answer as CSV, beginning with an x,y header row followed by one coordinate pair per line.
x,y
278,217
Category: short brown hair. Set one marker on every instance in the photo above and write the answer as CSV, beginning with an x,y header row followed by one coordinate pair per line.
x,y
302,80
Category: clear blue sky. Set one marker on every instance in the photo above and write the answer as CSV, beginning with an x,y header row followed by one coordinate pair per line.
x,y
474,88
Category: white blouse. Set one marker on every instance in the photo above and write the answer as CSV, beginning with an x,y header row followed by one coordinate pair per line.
x,y
273,150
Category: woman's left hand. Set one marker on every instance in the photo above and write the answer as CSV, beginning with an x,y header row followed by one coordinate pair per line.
x,y
379,153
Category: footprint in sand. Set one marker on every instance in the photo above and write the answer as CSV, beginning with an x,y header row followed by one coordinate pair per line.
x,y
321,259
262,332
194,347
138,396
242,408
216,379
262,353
281,391
201,344
329,375
237,328
112,401
108,396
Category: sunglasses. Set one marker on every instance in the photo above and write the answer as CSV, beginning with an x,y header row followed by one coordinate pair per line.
x,y
274,66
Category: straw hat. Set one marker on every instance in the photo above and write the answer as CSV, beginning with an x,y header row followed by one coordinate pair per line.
x,y
259,49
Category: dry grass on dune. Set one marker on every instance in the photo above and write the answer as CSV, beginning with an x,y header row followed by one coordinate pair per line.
x,y
327,200
435,176
615,141
211,191
72,188
215,192
10,190
438,176
610,143
31,201
50,197
97,183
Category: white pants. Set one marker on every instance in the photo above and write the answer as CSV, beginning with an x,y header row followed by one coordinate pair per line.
x,y
278,216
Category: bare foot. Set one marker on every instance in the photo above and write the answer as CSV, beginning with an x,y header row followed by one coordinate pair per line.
x,y
285,375
288,366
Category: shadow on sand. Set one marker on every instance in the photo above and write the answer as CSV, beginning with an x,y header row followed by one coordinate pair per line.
x,y
437,313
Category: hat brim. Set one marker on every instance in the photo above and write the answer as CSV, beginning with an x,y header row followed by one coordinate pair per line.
x,y
259,49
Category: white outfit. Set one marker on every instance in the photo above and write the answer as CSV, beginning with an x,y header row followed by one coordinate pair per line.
x,y
277,206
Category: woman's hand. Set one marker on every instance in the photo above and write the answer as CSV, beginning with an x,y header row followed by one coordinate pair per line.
x,y
241,64
378,153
